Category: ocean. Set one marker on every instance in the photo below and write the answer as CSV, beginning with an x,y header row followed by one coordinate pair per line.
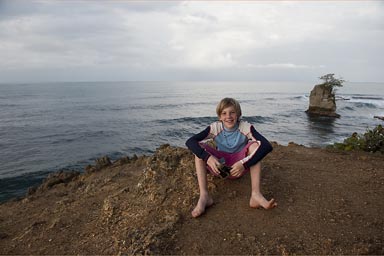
x,y
48,127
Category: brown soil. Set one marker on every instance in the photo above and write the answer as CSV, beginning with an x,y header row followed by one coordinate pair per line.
x,y
328,203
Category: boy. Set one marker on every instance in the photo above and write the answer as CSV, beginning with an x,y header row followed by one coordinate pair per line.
x,y
239,145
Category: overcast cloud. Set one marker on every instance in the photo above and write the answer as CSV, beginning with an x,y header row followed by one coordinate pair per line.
x,y
195,40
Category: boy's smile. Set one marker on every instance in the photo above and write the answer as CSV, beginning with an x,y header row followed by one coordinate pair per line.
x,y
229,117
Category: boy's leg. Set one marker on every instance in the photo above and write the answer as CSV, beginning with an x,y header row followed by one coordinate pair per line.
x,y
257,199
205,200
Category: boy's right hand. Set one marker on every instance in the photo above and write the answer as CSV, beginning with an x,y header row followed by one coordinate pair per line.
x,y
213,162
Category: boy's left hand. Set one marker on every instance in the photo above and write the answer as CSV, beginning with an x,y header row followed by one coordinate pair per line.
x,y
237,169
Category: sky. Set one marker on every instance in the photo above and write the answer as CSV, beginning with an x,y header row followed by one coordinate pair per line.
x,y
67,40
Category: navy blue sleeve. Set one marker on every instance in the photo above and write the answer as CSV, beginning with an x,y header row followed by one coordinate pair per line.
x,y
262,151
193,144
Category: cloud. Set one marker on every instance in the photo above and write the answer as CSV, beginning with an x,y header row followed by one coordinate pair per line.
x,y
284,65
214,40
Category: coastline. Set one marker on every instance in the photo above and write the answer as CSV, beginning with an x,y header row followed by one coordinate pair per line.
x,y
76,122
142,205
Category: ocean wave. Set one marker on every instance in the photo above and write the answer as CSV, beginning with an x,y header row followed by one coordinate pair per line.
x,y
248,101
138,106
365,105
176,134
162,106
73,136
195,120
348,108
9,105
259,119
367,101
109,108
301,97
368,97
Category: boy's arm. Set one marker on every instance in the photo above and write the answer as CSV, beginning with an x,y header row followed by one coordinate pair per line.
x,y
264,148
193,144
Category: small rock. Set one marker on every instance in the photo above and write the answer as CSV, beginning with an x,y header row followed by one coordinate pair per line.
x,y
89,169
103,162
239,236
123,160
3,235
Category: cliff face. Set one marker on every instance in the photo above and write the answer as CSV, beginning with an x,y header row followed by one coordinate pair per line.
x,y
328,202
322,101
131,206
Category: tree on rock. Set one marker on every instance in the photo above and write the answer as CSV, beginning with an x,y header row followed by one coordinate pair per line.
x,y
322,98
331,82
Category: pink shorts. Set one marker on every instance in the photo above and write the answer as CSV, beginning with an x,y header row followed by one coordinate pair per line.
x,y
230,158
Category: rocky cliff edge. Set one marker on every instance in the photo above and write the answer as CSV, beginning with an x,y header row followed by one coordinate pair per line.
x,y
329,203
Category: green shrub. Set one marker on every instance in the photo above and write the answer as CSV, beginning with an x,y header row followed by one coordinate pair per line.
x,y
371,141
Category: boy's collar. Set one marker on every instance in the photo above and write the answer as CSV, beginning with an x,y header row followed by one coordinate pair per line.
x,y
230,130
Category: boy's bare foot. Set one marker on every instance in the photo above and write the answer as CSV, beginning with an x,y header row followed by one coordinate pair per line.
x,y
258,200
203,203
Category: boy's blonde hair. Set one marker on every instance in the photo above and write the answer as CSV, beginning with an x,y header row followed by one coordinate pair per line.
x,y
228,102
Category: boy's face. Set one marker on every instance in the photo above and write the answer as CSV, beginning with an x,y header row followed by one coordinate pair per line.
x,y
229,117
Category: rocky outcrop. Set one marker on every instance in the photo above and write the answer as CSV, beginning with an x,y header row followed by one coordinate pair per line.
x,y
322,102
53,179
141,206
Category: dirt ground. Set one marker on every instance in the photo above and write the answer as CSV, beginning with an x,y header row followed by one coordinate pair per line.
x,y
328,203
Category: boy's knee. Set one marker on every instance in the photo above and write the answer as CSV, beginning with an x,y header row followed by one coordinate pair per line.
x,y
252,148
